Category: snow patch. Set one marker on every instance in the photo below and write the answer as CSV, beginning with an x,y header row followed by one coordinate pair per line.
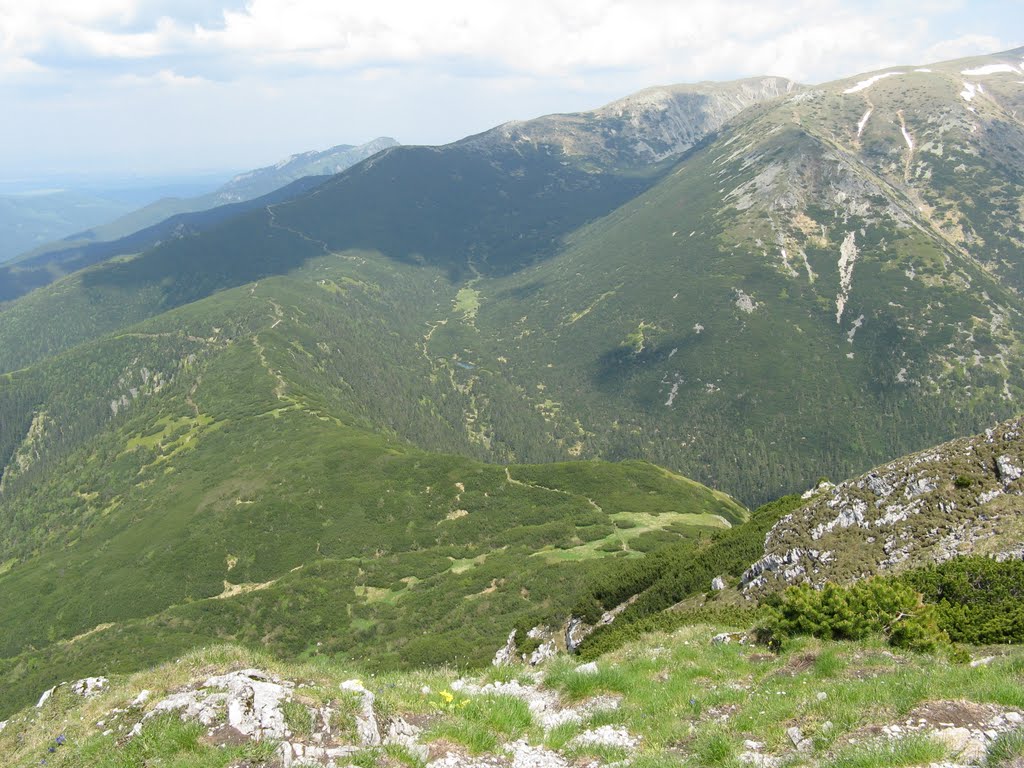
x,y
990,69
863,121
922,69
853,330
906,136
870,81
807,265
847,258
970,89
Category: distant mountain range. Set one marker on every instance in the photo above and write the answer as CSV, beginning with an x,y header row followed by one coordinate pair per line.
x,y
31,219
35,222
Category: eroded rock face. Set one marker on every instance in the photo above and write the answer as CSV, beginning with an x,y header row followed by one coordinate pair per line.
x,y
506,654
366,719
576,631
924,508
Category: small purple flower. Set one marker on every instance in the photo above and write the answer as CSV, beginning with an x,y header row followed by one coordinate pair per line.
x,y
60,740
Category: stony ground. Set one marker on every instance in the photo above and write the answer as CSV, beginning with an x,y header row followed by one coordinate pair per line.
x,y
696,697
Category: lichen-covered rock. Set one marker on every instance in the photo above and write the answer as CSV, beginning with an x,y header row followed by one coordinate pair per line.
x,y
250,700
404,734
727,638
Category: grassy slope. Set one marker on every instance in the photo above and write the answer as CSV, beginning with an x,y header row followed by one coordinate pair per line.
x,y
237,468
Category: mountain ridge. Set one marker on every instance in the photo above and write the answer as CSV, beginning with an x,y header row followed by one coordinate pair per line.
x,y
791,229
147,227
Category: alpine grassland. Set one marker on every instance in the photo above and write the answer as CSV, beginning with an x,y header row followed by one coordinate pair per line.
x,y
673,698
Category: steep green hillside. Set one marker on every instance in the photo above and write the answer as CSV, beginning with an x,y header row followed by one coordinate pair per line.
x,y
783,304
275,430
492,202
212,473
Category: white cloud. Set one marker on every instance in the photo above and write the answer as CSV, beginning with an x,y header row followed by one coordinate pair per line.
x,y
963,46
424,71
806,39
163,77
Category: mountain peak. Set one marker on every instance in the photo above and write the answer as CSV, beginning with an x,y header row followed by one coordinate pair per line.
x,y
641,129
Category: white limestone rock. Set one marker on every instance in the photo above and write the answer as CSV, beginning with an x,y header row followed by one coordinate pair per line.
x,y
507,654
366,721
89,686
606,736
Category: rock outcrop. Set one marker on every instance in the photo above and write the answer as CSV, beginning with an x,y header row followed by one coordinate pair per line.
x,y
963,497
252,705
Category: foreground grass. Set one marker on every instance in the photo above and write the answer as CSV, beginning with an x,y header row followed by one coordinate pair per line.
x,y
690,702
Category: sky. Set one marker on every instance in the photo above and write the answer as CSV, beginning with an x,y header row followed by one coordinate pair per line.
x,y
176,87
